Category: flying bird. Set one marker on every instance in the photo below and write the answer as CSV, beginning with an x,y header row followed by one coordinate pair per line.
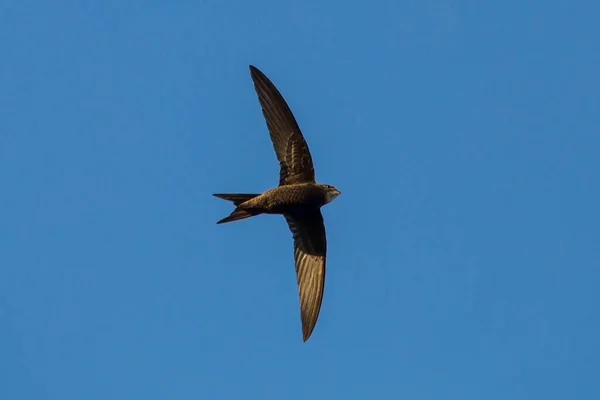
x,y
298,198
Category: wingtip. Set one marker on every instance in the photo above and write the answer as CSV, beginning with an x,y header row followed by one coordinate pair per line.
x,y
256,73
306,334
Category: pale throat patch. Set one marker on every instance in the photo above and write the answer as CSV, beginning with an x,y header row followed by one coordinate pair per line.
x,y
330,196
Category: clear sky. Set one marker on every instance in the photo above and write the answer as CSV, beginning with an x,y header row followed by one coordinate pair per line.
x,y
464,256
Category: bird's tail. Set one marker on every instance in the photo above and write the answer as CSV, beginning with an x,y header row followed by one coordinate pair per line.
x,y
237,199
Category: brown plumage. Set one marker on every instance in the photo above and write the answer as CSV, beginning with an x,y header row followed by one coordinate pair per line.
x,y
298,198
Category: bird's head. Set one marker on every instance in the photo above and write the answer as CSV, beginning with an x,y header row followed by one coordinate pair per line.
x,y
331,193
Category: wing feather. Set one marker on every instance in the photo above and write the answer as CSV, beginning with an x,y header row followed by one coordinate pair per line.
x,y
310,248
294,157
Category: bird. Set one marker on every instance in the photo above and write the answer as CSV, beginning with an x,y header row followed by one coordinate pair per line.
x,y
298,197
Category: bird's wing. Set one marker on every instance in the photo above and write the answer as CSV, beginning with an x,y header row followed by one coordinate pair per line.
x,y
295,162
310,248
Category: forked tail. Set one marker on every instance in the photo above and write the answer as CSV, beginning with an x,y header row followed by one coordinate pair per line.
x,y
237,199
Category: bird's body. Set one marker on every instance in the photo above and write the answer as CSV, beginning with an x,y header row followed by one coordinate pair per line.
x,y
298,198
286,199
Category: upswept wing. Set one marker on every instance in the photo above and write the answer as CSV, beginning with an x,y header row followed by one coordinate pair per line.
x,y
295,162
310,248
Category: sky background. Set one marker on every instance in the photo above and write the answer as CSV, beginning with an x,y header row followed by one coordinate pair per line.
x,y
463,257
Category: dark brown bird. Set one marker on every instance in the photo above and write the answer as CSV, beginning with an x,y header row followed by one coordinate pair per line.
x,y
298,198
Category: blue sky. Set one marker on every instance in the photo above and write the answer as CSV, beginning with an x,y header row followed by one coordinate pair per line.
x,y
463,254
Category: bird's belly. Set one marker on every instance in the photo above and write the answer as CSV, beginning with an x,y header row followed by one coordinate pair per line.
x,y
284,199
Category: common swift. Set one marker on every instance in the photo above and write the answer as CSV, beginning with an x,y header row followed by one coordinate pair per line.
x,y
298,198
